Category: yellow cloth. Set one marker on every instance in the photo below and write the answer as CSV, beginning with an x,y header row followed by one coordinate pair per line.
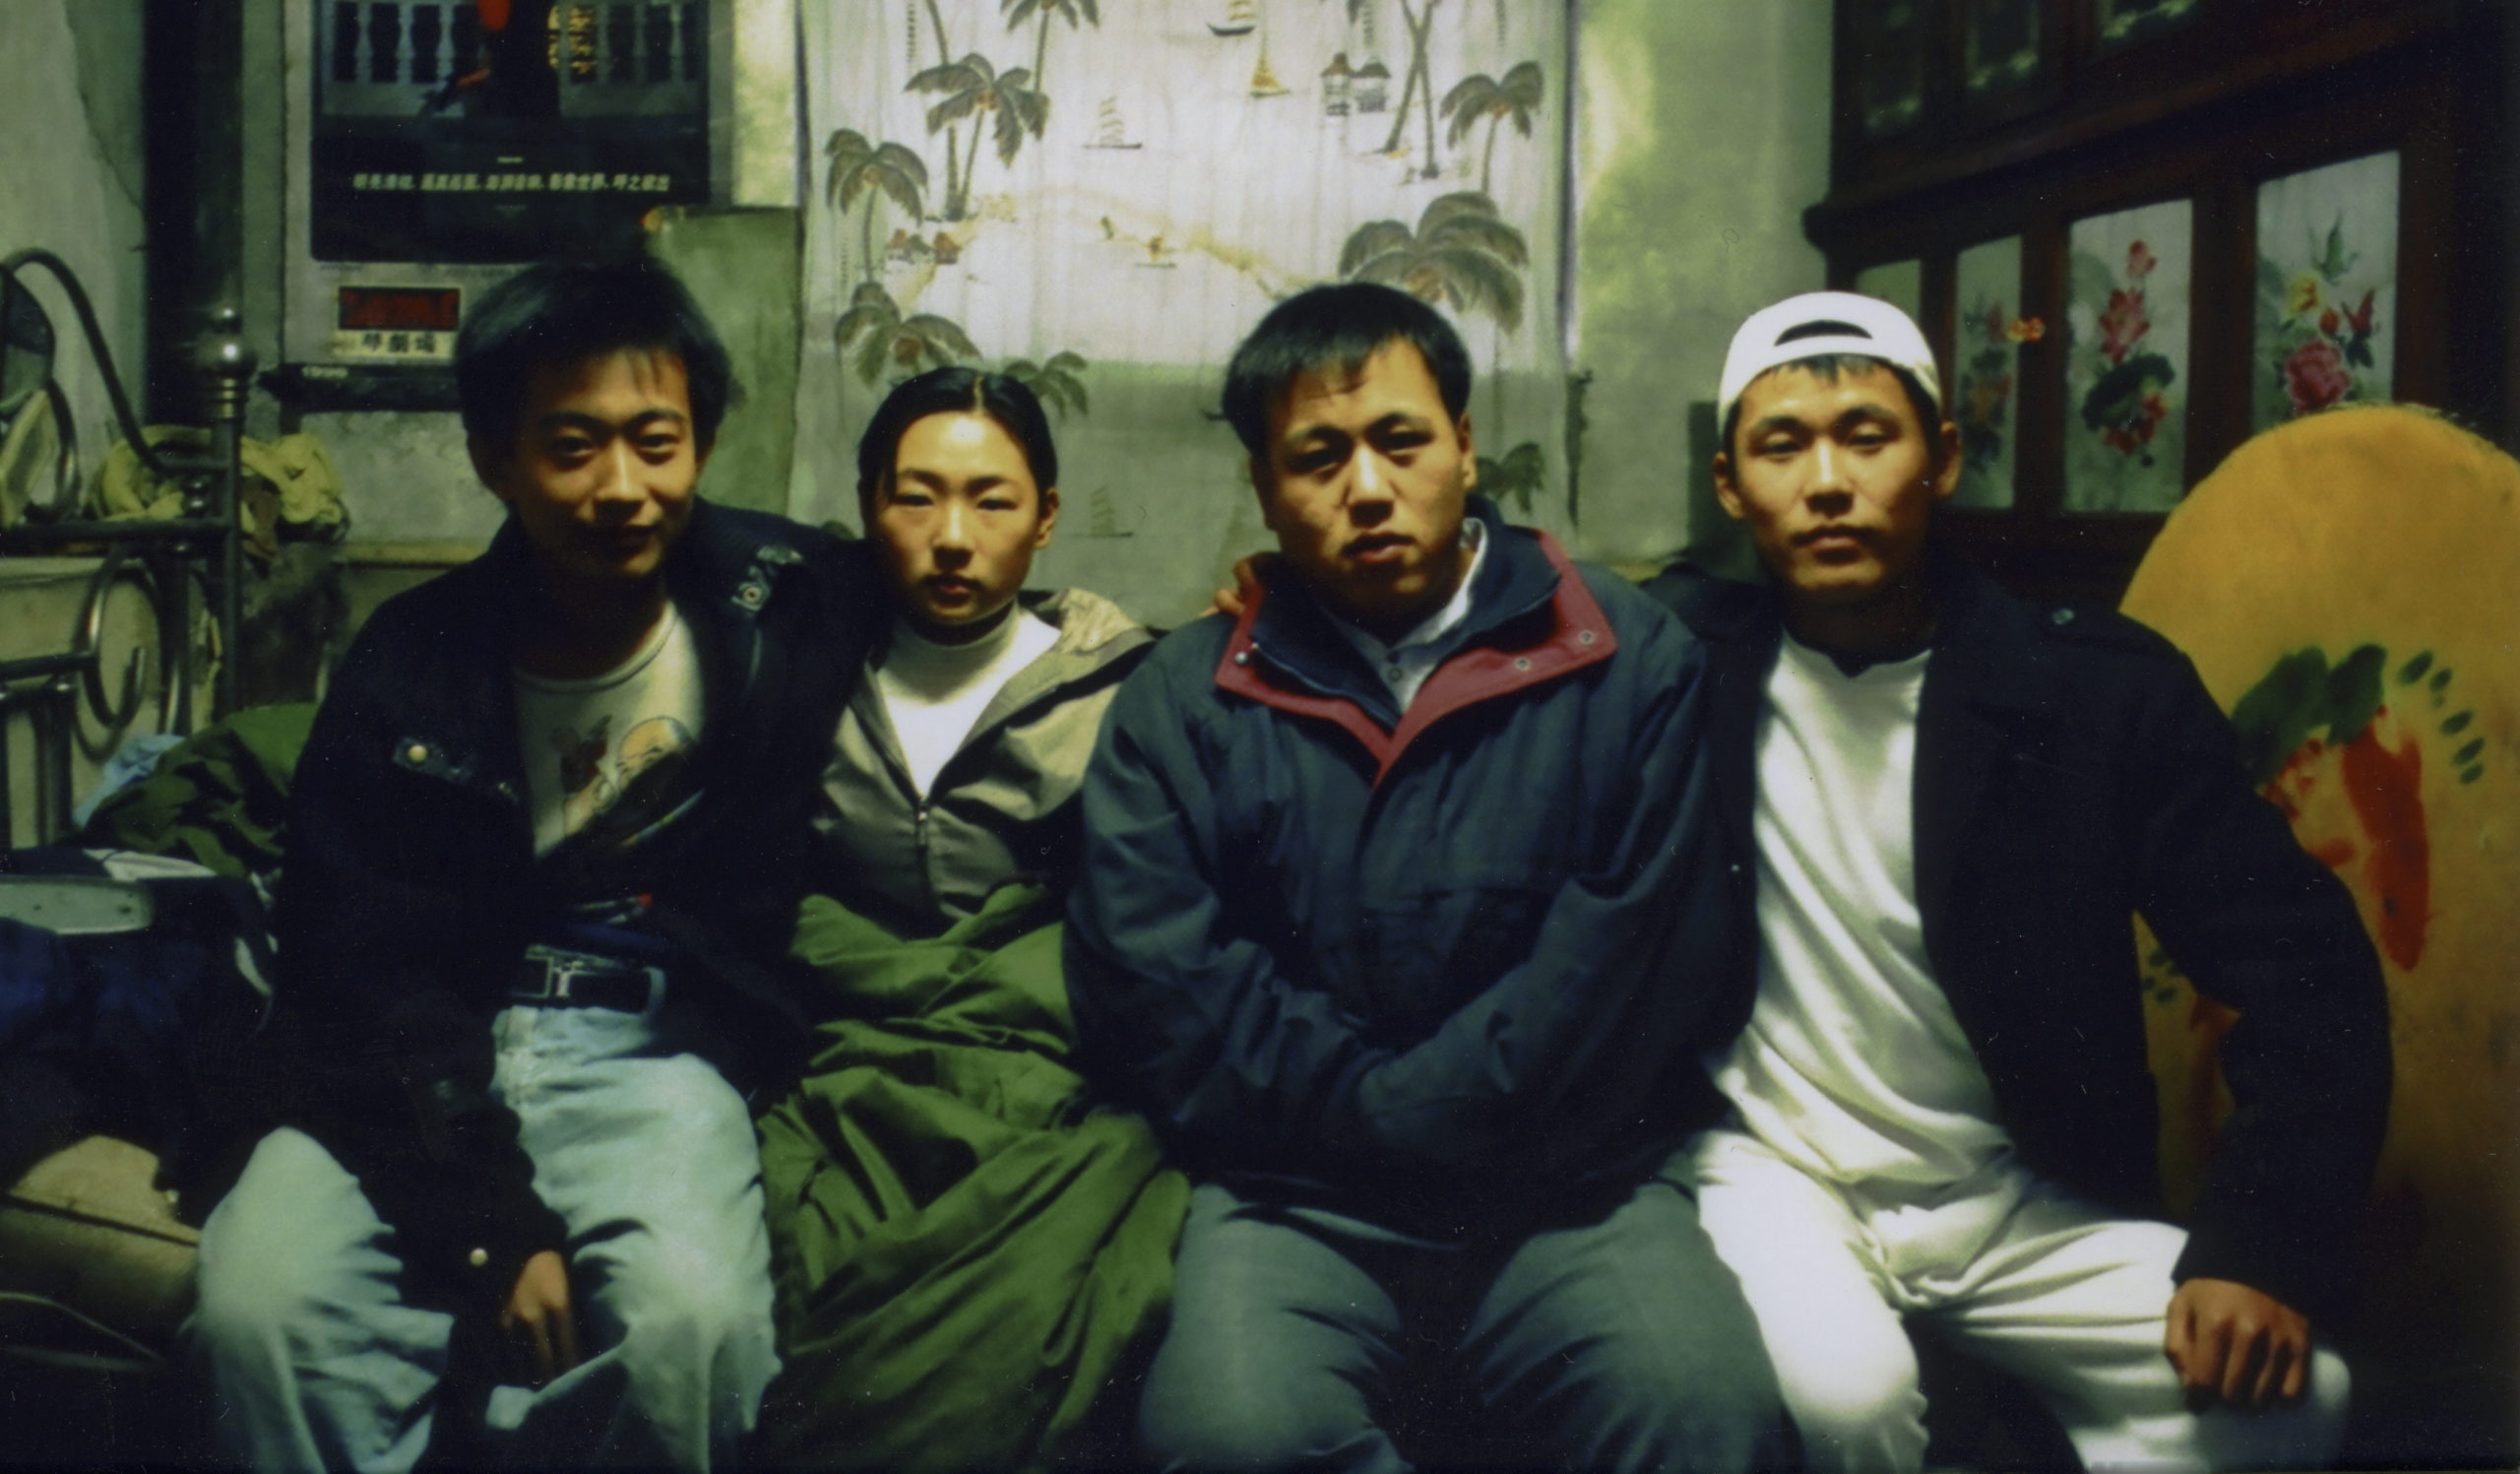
x,y
289,481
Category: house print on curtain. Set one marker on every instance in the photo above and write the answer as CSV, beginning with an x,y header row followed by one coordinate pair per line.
x,y
1102,196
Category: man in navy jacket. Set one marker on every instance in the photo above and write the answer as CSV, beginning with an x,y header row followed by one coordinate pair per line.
x,y
1952,805
1400,921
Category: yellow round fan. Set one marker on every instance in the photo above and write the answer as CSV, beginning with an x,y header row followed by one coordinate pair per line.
x,y
2349,587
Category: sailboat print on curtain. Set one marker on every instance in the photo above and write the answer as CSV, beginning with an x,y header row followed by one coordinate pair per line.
x,y
1109,130
1240,17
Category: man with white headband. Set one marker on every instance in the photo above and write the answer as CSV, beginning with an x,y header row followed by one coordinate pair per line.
x,y
1950,804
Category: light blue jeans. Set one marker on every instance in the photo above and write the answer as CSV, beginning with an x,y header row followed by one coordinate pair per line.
x,y
649,1158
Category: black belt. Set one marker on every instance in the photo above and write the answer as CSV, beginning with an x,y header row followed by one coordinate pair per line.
x,y
555,978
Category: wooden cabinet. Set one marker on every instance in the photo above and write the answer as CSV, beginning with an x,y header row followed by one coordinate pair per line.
x,y
2125,157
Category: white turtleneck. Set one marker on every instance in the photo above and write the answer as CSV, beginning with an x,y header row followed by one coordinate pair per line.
x,y
934,694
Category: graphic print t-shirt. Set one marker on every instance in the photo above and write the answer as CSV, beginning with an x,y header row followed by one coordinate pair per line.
x,y
608,756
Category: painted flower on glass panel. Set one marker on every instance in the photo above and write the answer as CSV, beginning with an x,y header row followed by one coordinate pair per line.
x,y
2314,333
1985,384
2124,405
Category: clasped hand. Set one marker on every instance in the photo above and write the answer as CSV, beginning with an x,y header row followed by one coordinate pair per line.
x,y
2236,1346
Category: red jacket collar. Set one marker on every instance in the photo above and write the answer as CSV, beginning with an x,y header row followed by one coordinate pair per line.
x,y
1571,633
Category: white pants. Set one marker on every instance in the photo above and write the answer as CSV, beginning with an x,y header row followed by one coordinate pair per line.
x,y
2011,1270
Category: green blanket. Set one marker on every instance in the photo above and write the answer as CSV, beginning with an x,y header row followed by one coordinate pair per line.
x,y
964,1259
220,798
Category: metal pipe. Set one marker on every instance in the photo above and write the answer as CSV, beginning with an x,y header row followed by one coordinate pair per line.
x,y
57,727
9,704
154,530
36,667
227,367
86,314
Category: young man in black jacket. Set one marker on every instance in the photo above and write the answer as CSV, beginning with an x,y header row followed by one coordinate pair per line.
x,y
1399,922
543,853
1952,805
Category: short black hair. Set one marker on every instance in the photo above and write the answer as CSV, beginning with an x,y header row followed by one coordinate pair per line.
x,y
1827,368
1336,326
566,312
955,391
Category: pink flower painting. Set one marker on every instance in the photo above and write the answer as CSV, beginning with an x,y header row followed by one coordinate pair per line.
x,y
2325,271
2124,407
2126,358
2123,323
2315,376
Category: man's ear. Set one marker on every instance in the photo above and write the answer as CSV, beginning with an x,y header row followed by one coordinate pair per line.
x,y
1728,496
1947,478
1264,484
1049,518
1469,453
492,466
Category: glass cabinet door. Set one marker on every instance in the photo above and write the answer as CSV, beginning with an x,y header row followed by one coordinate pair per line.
x,y
2000,45
1890,59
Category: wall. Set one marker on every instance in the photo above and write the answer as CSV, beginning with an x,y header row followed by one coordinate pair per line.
x,y
1704,133
70,157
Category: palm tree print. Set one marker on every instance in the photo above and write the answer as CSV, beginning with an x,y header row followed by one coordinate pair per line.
x,y
1521,475
1054,381
886,339
859,166
1419,86
1077,13
1479,96
972,87
954,192
1462,254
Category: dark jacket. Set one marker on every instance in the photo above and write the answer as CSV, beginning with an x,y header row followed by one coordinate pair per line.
x,y
410,887
1427,969
2071,771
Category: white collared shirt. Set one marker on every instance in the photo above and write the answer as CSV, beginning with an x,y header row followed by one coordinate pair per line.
x,y
1405,664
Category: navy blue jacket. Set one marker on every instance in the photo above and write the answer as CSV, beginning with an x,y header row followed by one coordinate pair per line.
x,y
1422,967
410,887
2071,772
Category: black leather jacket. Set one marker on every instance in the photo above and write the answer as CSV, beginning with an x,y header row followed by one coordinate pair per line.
x,y
410,887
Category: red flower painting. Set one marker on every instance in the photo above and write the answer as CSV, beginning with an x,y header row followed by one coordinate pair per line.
x,y
2315,375
2123,323
2314,339
2125,405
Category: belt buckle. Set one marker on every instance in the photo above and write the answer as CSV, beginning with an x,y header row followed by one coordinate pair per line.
x,y
557,967
561,969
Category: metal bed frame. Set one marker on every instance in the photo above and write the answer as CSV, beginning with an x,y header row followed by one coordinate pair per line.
x,y
167,559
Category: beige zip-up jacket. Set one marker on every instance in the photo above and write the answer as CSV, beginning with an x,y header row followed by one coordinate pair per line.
x,y
1003,807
